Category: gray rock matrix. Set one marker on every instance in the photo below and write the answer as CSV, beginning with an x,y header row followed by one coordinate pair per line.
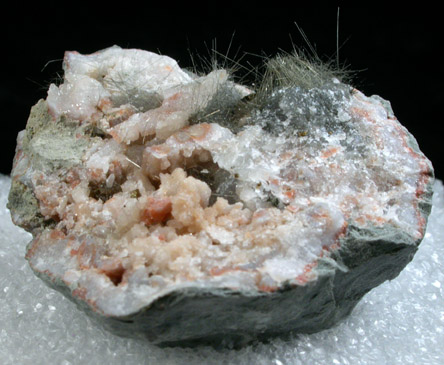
x,y
366,254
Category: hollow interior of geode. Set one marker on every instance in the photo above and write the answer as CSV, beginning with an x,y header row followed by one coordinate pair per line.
x,y
165,194
166,206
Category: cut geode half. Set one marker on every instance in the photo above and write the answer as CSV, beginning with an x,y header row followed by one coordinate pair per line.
x,y
170,207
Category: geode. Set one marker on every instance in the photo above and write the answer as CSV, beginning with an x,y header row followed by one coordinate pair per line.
x,y
190,209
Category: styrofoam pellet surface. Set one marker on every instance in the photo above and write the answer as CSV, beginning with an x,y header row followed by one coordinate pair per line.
x,y
400,322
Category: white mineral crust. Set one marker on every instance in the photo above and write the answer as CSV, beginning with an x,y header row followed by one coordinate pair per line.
x,y
400,322
134,221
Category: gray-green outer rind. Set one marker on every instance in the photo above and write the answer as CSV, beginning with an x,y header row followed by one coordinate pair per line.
x,y
366,257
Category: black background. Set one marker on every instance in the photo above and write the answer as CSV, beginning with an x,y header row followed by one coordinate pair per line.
x,y
394,51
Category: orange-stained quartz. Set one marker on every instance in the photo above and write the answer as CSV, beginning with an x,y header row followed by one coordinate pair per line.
x,y
157,211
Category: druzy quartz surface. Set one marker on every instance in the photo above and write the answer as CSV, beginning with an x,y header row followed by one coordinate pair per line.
x,y
178,207
399,322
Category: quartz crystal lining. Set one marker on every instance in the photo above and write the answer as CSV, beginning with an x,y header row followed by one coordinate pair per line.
x,y
399,322
134,194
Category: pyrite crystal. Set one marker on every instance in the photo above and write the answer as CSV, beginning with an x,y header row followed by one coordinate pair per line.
x,y
190,209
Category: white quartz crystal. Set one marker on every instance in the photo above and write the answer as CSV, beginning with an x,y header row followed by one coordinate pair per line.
x,y
400,322
162,197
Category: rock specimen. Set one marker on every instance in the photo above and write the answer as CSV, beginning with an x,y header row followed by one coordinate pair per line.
x,y
190,209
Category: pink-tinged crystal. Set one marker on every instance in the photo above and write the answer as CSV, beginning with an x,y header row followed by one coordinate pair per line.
x,y
139,182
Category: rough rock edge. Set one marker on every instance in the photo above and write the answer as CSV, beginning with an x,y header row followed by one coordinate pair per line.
x,y
367,256
22,203
242,317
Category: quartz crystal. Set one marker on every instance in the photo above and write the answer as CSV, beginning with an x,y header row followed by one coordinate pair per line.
x,y
190,209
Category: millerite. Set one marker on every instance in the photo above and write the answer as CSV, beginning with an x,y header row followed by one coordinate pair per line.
x,y
190,209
